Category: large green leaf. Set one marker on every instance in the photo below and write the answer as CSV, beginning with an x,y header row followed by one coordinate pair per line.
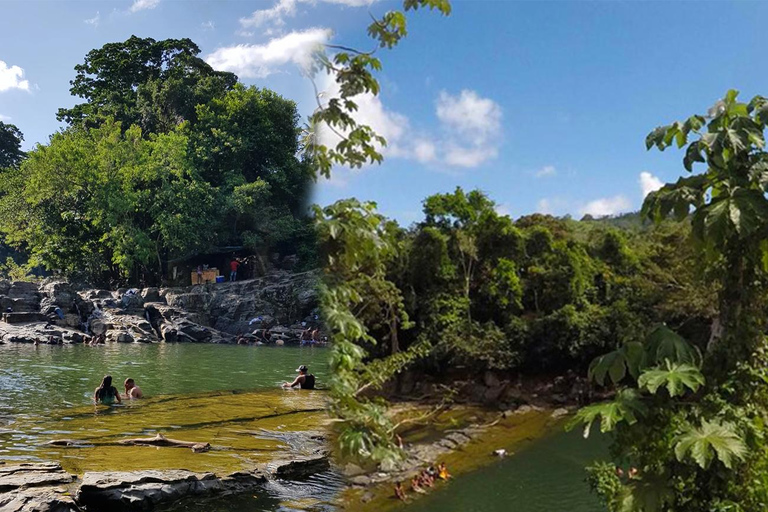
x,y
709,440
626,406
677,198
630,357
664,344
647,493
674,377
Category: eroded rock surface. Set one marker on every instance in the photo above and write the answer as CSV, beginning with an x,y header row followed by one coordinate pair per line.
x,y
145,490
58,312
35,487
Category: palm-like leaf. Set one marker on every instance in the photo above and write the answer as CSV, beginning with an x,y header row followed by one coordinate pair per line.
x,y
673,376
626,406
709,440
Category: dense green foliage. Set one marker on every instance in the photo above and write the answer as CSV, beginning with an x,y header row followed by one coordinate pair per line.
x,y
351,234
691,419
166,159
11,138
470,288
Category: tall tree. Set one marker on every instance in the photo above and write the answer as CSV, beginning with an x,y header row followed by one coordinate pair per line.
x,y
694,425
153,84
11,138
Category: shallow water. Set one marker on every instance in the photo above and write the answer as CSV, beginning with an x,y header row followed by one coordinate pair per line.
x,y
546,476
227,396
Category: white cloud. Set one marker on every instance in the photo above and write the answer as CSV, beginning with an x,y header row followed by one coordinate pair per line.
x,y
472,125
547,170
276,14
4,118
261,60
459,156
140,5
425,151
208,25
93,21
11,78
451,148
544,206
649,183
469,114
606,206
391,125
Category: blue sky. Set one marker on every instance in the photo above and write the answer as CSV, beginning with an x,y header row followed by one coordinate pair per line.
x,y
543,105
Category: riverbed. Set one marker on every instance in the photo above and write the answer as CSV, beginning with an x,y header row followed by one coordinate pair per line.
x,y
225,395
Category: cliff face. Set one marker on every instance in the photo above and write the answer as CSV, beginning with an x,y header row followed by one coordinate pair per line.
x,y
61,312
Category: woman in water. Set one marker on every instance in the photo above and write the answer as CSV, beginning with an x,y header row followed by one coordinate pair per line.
x,y
106,393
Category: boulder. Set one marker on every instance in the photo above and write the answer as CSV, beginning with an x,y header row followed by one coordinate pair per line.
x,y
301,469
194,332
146,490
151,295
170,334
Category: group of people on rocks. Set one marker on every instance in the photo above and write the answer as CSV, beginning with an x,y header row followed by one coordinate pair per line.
x,y
107,394
423,480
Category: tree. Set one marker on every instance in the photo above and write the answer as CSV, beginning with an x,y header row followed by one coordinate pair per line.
x,y
721,416
364,431
107,205
153,84
11,138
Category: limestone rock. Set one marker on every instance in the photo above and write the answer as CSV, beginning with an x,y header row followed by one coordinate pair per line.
x,y
35,487
146,490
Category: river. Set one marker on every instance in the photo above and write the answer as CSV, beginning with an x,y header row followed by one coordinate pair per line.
x,y
546,476
226,395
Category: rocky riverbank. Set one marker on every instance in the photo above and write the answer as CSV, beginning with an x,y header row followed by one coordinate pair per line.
x,y
61,312
485,413
46,487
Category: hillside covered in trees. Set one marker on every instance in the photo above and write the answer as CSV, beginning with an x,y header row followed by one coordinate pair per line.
x,y
477,289
164,159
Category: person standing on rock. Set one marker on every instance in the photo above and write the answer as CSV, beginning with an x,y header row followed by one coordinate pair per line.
x,y
106,393
233,265
304,379
132,391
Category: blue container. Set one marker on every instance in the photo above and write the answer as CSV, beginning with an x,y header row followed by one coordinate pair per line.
x,y
219,279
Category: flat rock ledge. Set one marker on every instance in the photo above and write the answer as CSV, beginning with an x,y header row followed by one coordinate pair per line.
x,y
145,490
46,487
35,487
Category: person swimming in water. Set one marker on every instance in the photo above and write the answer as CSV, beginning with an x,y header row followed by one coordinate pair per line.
x,y
304,379
132,391
106,393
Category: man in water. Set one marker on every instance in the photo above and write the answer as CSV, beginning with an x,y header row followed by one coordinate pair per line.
x,y
305,380
132,391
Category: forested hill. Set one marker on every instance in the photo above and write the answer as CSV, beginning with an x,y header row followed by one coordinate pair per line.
x,y
164,159
475,289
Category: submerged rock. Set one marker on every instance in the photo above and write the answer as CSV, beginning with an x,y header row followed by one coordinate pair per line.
x,y
145,490
302,469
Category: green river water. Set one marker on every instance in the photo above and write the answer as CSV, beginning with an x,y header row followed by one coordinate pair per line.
x,y
226,395
546,476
